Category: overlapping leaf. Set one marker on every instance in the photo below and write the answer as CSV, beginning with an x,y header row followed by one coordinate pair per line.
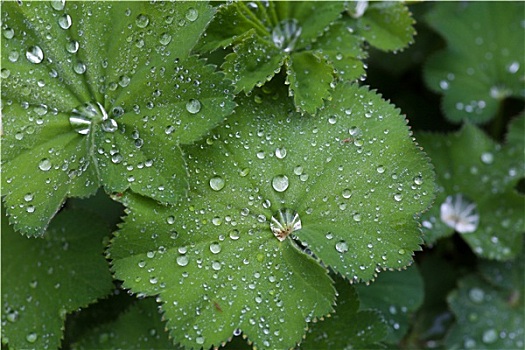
x,y
44,279
397,295
343,186
476,194
101,94
348,327
483,63
140,327
489,315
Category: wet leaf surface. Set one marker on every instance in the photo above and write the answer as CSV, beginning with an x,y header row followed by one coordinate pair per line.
x,y
272,192
476,193
43,279
90,91
483,63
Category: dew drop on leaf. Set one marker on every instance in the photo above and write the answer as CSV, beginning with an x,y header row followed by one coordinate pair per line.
x,y
8,33
79,68
45,164
192,14
31,337
341,247
142,21
217,183
165,39
347,193
64,21
182,260
477,295
58,4
487,157
280,152
193,106
215,248
280,183
489,336
35,54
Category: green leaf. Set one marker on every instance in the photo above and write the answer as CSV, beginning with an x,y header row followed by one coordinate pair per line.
x,y
44,279
140,327
481,65
105,101
235,255
397,294
472,170
386,25
310,78
489,316
264,36
347,328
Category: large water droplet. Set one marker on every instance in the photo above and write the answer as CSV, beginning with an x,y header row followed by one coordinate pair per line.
x,y
193,106
217,183
341,247
142,21
280,183
109,125
72,46
32,337
58,4
165,39
64,21
84,115
215,248
285,34
487,157
35,54
45,164
284,222
459,213
192,14
477,295
490,336
182,260
8,33
280,152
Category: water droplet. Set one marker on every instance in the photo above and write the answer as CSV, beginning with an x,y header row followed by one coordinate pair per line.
x,y
153,280
487,157
8,33
244,172
234,234
12,316
215,248
165,39
357,217
332,120
45,164
142,21
477,295
380,169
280,183
284,222
80,68
116,158
347,193
58,4
170,220
280,152
84,115
199,340
30,209
192,14
490,336
341,247
72,46
5,73
285,34
109,125
182,260
513,67
64,21
459,213
28,197
35,54
193,106
32,337
398,197
217,183
418,180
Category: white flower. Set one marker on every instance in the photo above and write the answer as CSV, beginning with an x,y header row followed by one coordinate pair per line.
x,y
460,214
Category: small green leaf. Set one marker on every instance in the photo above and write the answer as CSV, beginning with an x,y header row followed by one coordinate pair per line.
x,y
483,63
101,95
269,190
489,316
386,25
397,294
43,279
476,195
347,328
310,77
140,327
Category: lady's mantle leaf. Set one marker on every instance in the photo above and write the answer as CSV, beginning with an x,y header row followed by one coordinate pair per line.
x,y
269,190
264,36
387,25
476,195
347,328
101,94
489,315
55,275
138,328
396,294
483,63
